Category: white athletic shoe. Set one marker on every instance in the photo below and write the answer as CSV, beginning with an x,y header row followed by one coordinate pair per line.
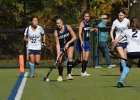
x,y
98,67
60,79
111,66
32,76
85,74
69,77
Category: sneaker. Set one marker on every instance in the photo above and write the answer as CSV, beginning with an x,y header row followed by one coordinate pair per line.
x,y
98,67
69,77
85,74
32,76
120,85
60,79
111,66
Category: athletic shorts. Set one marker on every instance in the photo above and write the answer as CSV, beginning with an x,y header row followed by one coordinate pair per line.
x,y
35,52
62,48
133,55
120,44
86,46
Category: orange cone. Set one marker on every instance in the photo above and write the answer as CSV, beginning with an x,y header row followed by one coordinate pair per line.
x,y
21,63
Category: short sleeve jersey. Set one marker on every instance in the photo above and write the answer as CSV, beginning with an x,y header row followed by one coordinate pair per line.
x,y
34,37
120,27
133,39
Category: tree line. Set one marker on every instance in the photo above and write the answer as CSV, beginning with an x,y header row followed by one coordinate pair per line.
x,y
12,15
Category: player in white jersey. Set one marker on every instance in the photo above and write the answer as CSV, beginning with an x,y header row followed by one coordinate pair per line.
x,y
133,48
118,27
33,36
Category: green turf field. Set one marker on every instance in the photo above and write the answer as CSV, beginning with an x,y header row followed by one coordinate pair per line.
x,y
8,79
101,85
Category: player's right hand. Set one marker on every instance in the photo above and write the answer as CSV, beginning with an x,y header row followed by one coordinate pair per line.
x,y
113,41
58,55
26,40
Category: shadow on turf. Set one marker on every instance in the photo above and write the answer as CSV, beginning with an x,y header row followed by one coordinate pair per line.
x,y
76,75
110,75
57,81
125,86
9,67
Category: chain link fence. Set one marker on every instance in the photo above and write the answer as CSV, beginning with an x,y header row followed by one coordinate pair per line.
x,y
12,45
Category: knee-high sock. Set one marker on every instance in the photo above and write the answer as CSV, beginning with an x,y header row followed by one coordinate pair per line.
x,y
84,66
121,68
31,66
69,67
124,72
60,70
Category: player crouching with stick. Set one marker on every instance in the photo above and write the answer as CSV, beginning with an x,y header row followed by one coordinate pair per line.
x,y
33,36
133,48
64,37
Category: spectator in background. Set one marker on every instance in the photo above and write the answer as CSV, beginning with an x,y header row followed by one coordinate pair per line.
x,y
103,46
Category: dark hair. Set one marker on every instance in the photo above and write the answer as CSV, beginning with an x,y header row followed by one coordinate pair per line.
x,y
34,17
121,11
134,23
85,12
58,18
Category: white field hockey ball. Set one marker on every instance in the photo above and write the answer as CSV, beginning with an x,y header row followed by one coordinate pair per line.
x,y
47,80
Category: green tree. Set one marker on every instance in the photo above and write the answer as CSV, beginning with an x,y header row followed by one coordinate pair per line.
x,y
10,13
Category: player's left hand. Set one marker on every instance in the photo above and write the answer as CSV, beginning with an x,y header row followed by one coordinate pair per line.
x,y
95,29
44,44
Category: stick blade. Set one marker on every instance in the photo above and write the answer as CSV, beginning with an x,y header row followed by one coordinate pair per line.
x,y
114,54
44,78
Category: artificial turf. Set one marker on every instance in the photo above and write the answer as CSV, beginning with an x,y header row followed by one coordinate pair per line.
x,y
101,85
8,79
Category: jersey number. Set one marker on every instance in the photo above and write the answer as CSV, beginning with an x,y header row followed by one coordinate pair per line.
x,y
33,40
135,34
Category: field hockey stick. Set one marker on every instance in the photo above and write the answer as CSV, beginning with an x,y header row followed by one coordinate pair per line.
x,y
56,65
116,55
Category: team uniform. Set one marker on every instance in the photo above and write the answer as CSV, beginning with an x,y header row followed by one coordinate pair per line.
x,y
133,50
85,47
86,38
119,28
133,47
34,39
64,37
34,43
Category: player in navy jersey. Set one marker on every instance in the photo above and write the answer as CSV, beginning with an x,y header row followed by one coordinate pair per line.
x,y
133,48
34,36
64,37
83,43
